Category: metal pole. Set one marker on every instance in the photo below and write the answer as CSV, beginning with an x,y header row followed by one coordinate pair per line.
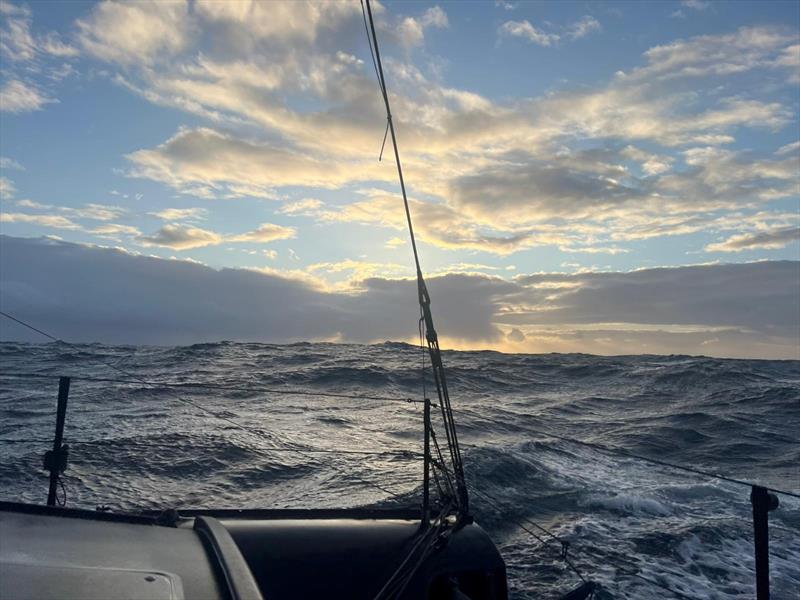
x,y
762,502
54,462
426,478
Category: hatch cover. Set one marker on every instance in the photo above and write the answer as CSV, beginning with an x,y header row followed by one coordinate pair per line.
x,y
30,581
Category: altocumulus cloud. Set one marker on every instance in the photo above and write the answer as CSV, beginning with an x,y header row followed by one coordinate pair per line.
x,y
91,293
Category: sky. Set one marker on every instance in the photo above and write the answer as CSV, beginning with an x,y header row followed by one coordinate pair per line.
x,y
600,177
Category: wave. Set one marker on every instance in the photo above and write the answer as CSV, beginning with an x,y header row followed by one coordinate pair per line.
x,y
137,446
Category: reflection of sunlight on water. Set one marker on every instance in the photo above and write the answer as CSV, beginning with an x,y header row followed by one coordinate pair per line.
x,y
148,450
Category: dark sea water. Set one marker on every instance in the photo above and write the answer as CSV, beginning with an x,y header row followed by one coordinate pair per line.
x,y
136,446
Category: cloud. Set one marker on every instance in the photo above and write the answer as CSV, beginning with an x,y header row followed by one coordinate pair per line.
x,y
411,31
53,45
356,272
734,176
19,44
768,240
788,148
209,163
525,191
583,27
525,30
696,4
629,153
438,224
94,212
181,238
10,164
305,207
16,40
10,9
180,214
18,97
251,22
435,17
267,232
505,5
7,188
746,49
515,335
88,293
651,164
595,249
25,203
757,302
114,230
55,221
129,33
148,300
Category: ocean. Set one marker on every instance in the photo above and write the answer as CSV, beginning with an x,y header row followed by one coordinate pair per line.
x,y
638,529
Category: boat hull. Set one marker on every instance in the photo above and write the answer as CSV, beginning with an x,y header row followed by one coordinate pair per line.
x,y
230,553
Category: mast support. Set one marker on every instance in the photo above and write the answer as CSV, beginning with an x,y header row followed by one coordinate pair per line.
x,y
462,499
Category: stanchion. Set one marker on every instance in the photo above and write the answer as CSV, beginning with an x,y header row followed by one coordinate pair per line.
x,y
762,502
426,477
55,460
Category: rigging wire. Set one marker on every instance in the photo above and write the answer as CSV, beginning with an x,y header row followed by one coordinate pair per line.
x,y
31,327
396,453
544,530
428,537
380,82
440,464
219,386
382,85
563,544
437,367
371,51
632,455
422,349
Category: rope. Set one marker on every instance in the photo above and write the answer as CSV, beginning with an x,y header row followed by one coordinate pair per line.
x,y
397,583
563,545
441,466
213,386
61,501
